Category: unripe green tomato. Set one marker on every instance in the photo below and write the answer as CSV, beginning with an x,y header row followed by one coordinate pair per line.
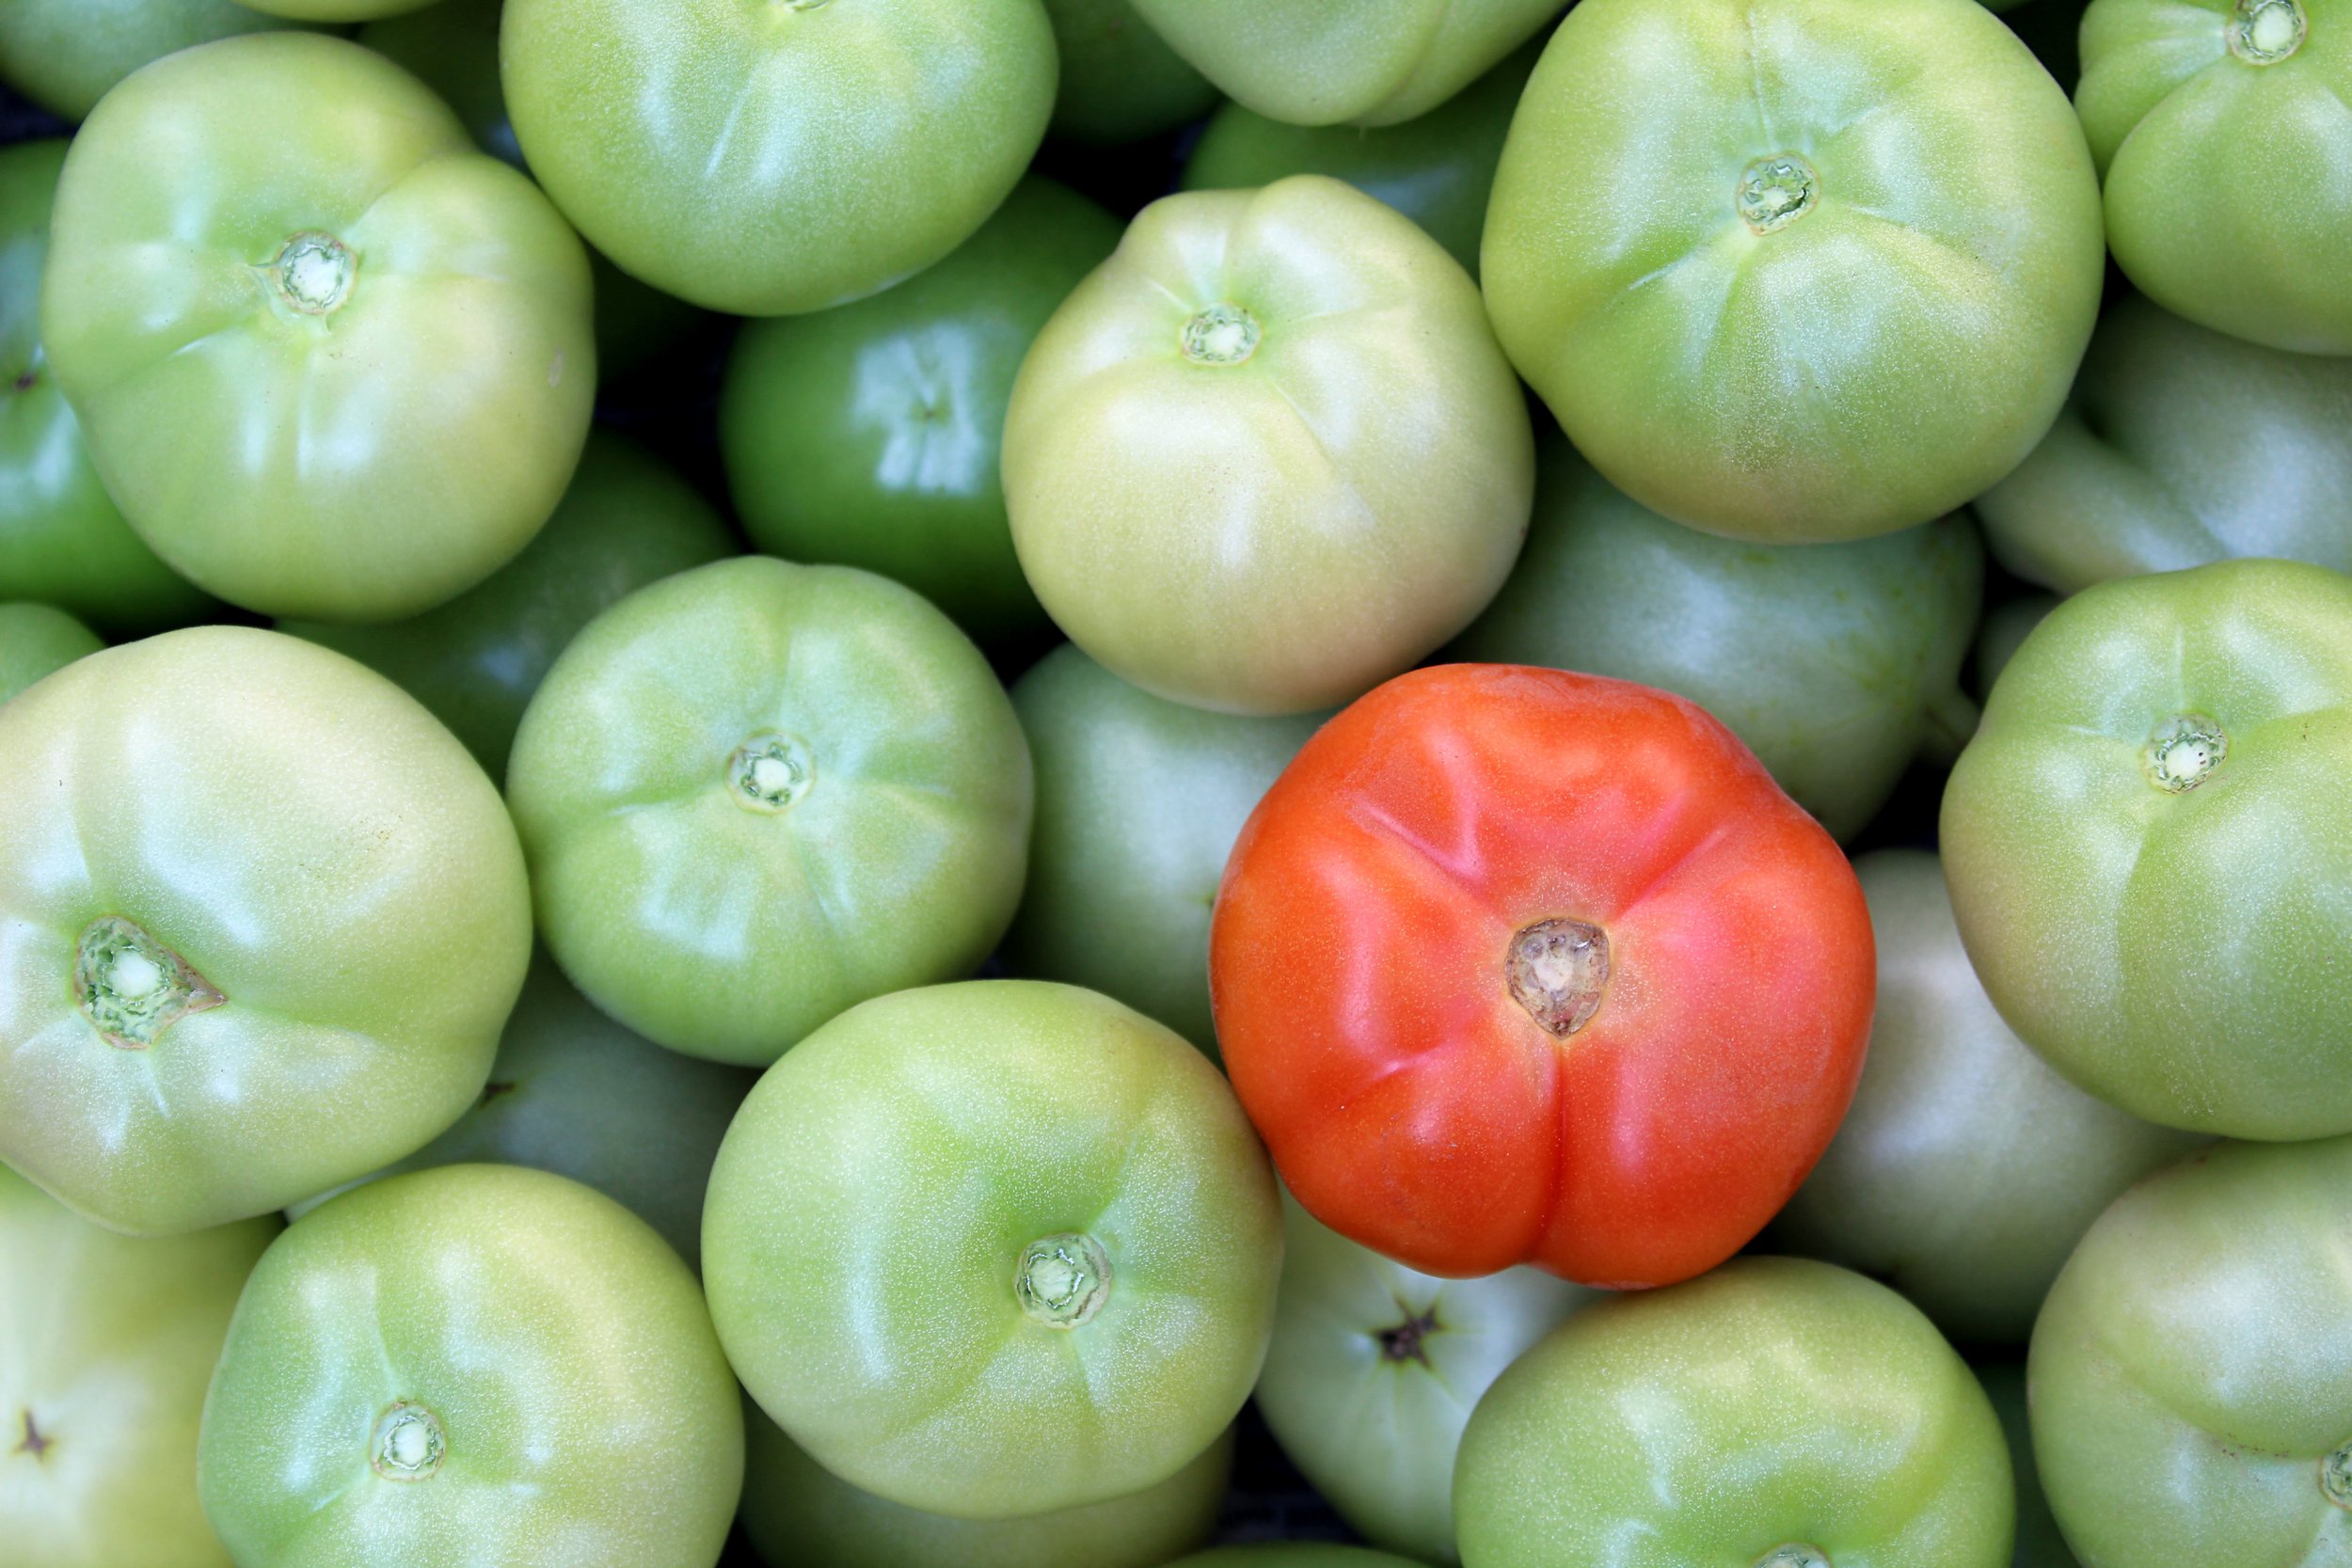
x,y
2191,1377
334,11
798,1514
1966,1170
2219,126
474,1365
2007,625
1437,169
1268,454
868,434
1837,710
66,55
1139,802
264,920
755,794
1291,1554
106,1342
36,640
62,541
2178,446
627,521
1369,62
345,374
1373,1370
766,159
1776,1412
2039,1542
1119,80
994,1249
1795,270
2149,851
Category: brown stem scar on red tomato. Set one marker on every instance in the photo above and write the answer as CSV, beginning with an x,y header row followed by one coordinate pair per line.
x,y
1558,971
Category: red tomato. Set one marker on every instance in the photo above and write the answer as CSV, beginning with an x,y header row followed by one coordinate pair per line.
x,y
1514,965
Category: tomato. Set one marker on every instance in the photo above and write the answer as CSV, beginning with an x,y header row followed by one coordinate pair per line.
x,y
2181,447
476,1363
1795,270
2039,1542
1373,1369
36,640
2175,94
1139,801
575,1093
1120,82
2006,628
755,794
2149,852
1370,62
1967,1169
1291,1554
2191,1377
994,1249
769,159
626,520
1517,965
1609,587
798,1514
336,11
1303,380
260,918
65,55
345,375
1436,169
105,1345
1777,1412
61,540
868,434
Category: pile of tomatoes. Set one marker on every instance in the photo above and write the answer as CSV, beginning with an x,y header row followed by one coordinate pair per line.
x,y
836,782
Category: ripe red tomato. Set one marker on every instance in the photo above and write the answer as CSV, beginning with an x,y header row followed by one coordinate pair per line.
x,y
1519,965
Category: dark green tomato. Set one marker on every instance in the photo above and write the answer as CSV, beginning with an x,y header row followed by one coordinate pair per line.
x,y
2007,625
798,1514
626,520
36,638
64,54
868,434
1120,82
1292,1554
1436,169
2178,446
1139,802
2039,1542
575,1093
1837,664
62,539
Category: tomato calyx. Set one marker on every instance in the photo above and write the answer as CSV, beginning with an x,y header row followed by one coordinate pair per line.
x,y
312,273
1221,334
1777,191
1558,970
2335,1475
2264,32
1063,1281
408,1443
1407,1340
132,987
770,771
2185,752
1794,1554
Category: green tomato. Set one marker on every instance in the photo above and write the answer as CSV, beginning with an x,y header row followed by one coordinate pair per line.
x,y
1609,587
2181,447
768,159
1268,454
1373,1369
2007,625
2149,852
1436,169
36,640
2039,1542
1795,270
1368,62
994,1249
1119,80
2221,130
798,1514
261,919
626,520
2191,1376
479,1364
1966,1170
66,55
755,794
1776,1412
336,11
343,374
1291,1554
105,1346
576,1094
1139,802
61,540
868,434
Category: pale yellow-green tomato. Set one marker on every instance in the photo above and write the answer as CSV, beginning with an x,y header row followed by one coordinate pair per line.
x,y
106,1342
1268,454
37,640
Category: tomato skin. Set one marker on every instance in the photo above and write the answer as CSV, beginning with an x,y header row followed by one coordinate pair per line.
x,y
1357,968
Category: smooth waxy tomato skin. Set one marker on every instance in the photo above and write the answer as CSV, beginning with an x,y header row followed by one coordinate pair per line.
x,y
64,54
1119,80
1291,1554
1446,1063
336,11
36,640
2191,1374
